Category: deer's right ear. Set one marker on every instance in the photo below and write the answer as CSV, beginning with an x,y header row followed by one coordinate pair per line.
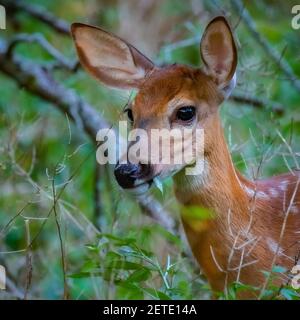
x,y
108,58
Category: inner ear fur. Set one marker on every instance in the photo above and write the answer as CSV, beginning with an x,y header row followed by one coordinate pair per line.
x,y
110,59
218,51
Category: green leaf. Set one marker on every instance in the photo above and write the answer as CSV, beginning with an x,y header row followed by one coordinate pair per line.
x,y
89,265
122,265
130,290
289,294
118,240
130,252
197,213
112,255
139,275
158,184
168,235
156,294
240,286
92,247
267,294
279,269
84,275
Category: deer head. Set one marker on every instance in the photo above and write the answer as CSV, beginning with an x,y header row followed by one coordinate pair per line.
x,y
174,96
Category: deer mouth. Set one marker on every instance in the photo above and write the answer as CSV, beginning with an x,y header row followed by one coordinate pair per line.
x,y
140,188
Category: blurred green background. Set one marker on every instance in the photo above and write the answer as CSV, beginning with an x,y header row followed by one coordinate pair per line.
x,y
111,249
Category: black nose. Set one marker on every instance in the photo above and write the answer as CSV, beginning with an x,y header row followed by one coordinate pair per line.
x,y
127,174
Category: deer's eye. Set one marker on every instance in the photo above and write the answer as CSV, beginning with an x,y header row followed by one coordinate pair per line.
x,y
186,113
129,114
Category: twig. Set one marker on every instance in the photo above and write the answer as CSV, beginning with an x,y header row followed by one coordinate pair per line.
x,y
4,229
257,102
57,200
289,149
215,260
39,13
28,260
61,60
98,209
62,249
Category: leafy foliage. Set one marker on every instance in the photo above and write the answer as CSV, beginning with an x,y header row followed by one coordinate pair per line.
x,y
111,249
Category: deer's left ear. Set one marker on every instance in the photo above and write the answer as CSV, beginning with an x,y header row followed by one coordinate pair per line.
x,y
219,54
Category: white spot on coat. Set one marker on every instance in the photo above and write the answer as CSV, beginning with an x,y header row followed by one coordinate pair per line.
x,y
283,185
273,192
255,193
249,191
273,246
262,195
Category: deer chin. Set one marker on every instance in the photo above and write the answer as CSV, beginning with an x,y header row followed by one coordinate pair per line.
x,y
141,188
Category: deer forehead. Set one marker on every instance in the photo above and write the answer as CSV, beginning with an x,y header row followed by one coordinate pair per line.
x,y
166,88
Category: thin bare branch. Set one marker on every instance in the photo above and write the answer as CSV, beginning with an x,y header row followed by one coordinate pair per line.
x,y
39,13
60,60
28,260
257,102
266,46
61,243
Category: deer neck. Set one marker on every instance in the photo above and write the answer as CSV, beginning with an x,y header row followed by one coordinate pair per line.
x,y
221,190
219,187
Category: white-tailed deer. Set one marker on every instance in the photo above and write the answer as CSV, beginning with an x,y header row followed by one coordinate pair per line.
x,y
256,223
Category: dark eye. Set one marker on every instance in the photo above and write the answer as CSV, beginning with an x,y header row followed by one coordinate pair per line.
x,y
129,114
186,113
